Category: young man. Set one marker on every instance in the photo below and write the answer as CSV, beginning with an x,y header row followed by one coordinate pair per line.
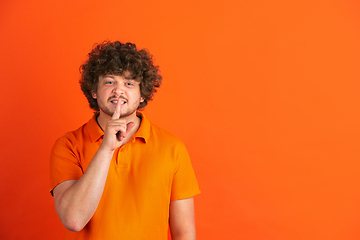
x,y
119,176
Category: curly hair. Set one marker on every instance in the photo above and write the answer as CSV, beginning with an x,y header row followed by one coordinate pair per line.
x,y
117,58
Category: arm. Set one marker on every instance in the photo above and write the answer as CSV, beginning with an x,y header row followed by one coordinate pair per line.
x,y
76,200
182,219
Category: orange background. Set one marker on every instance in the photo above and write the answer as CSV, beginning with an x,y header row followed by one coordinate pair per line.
x,y
265,94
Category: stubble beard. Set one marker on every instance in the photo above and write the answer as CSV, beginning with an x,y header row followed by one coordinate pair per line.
x,y
110,112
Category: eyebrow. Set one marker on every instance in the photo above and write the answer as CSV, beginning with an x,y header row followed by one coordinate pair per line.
x,y
109,76
126,78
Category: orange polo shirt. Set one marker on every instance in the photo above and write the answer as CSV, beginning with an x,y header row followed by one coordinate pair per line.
x,y
145,174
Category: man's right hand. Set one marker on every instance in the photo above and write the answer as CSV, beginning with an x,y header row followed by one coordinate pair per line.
x,y
77,200
116,130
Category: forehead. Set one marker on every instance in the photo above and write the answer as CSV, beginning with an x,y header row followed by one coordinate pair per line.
x,y
115,77
126,75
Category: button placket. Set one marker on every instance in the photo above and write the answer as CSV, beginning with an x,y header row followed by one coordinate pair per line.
x,y
121,159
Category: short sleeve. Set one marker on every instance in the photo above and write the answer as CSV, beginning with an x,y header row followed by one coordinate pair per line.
x,y
184,183
64,162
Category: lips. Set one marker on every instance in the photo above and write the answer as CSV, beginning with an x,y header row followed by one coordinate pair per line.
x,y
115,100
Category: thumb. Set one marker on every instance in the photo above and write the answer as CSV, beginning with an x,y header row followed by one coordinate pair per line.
x,y
129,126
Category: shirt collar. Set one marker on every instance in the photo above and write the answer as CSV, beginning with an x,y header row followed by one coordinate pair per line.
x,y
94,129
144,130
96,133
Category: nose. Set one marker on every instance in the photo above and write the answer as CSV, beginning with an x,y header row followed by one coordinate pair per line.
x,y
118,90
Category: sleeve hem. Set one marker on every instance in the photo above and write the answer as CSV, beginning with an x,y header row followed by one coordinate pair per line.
x,y
61,181
185,195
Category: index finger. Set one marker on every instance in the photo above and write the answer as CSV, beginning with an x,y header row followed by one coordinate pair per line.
x,y
117,112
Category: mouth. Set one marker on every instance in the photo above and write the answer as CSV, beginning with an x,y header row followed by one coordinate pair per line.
x,y
115,101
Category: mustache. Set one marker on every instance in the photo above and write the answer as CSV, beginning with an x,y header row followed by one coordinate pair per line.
x,y
114,97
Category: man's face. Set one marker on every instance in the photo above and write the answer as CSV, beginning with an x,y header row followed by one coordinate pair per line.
x,y
114,88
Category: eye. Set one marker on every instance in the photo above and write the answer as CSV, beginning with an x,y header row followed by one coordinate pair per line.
x,y
109,82
129,84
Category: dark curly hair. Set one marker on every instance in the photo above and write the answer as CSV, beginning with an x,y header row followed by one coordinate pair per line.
x,y
116,58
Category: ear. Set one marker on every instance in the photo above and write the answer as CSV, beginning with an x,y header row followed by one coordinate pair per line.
x,y
93,94
142,99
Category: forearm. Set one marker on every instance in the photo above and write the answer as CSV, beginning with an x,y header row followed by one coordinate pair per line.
x,y
77,203
182,219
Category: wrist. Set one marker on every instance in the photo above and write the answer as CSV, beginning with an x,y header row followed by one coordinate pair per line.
x,y
104,150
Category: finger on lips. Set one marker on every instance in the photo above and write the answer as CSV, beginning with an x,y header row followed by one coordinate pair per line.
x,y
117,111
116,116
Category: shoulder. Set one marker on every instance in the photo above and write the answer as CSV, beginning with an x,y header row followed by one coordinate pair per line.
x,y
69,140
161,134
73,138
166,141
154,134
